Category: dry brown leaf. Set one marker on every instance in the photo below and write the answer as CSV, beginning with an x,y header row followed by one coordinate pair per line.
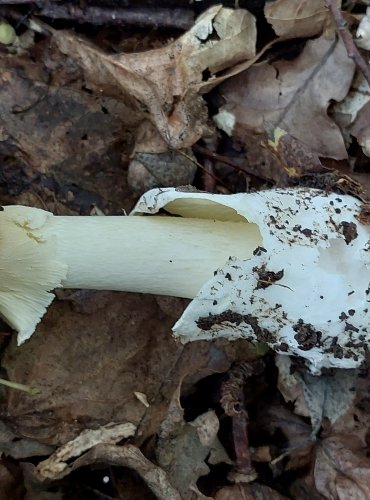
x,y
90,362
352,114
183,448
340,466
168,169
363,32
297,433
342,470
329,396
249,492
294,160
292,95
364,179
53,127
161,85
361,129
57,464
120,456
298,18
11,487
18,448
356,421
325,396
290,385
304,488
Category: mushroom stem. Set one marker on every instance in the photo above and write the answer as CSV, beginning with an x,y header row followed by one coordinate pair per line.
x,y
162,255
157,254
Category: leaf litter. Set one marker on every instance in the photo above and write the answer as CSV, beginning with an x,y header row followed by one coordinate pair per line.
x,y
270,97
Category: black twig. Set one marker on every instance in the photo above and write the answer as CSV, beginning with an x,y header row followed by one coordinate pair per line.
x,y
181,19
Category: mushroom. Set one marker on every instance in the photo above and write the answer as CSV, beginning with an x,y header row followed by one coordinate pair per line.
x,y
290,268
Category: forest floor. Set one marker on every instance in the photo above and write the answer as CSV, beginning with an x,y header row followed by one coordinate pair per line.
x,y
100,103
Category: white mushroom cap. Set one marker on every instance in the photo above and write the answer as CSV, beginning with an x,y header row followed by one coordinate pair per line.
x,y
305,292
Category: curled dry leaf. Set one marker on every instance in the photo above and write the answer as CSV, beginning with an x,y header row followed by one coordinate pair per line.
x,y
353,113
184,447
121,456
57,463
292,95
342,470
361,129
290,385
161,85
298,445
363,32
249,492
296,18
328,396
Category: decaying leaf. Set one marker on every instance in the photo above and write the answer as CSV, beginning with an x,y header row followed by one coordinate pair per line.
x,y
342,470
363,31
357,97
298,447
294,157
290,385
11,487
248,492
51,126
304,487
13,446
121,456
171,168
353,113
161,85
293,163
183,448
361,129
108,353
297,18
292,95
57,463
328,396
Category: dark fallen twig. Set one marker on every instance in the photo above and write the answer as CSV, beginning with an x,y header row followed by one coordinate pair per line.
x,y
211,174
181,19
207,178
347,38
226,160
14,2
233,404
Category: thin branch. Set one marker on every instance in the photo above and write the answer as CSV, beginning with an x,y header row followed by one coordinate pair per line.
x,y
204,169
233,403
347,38
181,19
226,160
14,2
